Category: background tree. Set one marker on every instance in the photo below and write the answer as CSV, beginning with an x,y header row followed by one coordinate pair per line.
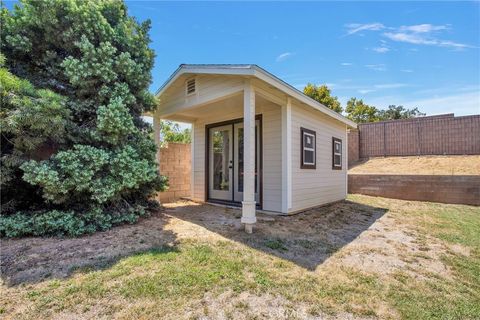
x,y
360,112
171,132
323,95
97,58
398,112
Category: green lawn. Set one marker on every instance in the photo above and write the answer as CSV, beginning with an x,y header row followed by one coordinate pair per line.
x,y
198,277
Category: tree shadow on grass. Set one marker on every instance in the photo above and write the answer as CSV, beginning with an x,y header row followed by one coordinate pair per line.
x,y
31,260
306,239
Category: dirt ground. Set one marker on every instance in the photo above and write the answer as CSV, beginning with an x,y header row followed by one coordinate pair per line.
x,y
424,165
364,237
366,244
33,259
369,239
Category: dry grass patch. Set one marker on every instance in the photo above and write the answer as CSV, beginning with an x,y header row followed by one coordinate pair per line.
x,y
423,165
366,258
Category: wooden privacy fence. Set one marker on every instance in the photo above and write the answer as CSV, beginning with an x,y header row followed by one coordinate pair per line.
x,y
435,135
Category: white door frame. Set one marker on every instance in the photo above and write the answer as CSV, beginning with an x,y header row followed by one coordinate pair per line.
x,y
224,194
238,195
234,198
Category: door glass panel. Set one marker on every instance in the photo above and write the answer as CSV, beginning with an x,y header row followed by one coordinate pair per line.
x,y
221,160
240,159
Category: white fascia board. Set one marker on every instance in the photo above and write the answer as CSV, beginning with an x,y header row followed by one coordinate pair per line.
x,y
291,91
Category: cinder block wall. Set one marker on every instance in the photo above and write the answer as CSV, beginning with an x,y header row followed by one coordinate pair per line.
x,y
175,163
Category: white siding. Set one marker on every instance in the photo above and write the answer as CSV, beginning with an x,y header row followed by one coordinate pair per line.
x,y
313,187
272,158
218,98
209,87
271,128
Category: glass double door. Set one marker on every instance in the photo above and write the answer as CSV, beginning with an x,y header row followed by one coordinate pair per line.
x,y
225,157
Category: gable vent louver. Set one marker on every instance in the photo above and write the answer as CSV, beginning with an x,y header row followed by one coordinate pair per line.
x,y
191,86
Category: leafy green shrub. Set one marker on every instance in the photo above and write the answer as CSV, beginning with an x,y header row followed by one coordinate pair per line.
x,y
64,223
76,155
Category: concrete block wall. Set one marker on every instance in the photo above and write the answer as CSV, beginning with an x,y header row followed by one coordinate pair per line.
x,y
175,163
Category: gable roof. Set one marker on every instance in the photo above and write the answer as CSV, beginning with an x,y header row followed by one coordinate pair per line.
x,y
258,72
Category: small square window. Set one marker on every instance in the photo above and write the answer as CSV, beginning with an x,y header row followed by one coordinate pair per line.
x,y
309,149
336,154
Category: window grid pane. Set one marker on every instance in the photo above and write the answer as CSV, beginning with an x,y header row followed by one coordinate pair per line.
x,y
308,149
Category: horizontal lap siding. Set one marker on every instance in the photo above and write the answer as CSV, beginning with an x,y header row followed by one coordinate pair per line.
x,y
313,187
272,158
207,87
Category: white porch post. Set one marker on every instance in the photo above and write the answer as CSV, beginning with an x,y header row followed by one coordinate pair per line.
x,y
192,162
287,156
248,204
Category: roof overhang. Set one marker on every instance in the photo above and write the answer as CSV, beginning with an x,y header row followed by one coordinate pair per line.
x,y
253,70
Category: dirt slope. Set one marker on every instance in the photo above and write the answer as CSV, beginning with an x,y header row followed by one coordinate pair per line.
x,y
422,165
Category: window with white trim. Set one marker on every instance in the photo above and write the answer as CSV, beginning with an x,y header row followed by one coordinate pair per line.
x,y
309,149
336,154
190,86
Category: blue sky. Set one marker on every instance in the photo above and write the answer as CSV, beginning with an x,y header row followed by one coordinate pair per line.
x,y
419,54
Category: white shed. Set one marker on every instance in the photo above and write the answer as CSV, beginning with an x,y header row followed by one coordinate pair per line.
x,y
257,142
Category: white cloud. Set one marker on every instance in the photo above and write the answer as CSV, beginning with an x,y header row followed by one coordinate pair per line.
x,y
447,43
383,86
410,38
365,91
390,85
419,34
416,38
284,56
423,28
357,27
381,49
331,85
407,70
376,67
346,64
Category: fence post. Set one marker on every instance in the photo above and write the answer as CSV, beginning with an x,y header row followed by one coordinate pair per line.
x,y
418,137
384,141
